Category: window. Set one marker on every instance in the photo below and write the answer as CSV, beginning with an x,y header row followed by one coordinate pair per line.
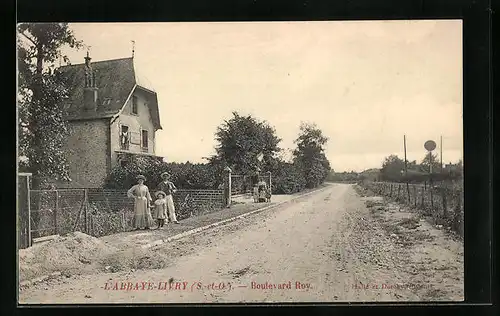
x,y
124,137
134,104
144,139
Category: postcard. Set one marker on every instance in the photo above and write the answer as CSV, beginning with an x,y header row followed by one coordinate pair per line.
x,y
240,162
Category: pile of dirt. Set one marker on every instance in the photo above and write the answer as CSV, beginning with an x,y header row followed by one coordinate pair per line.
x,y
70,254
134,259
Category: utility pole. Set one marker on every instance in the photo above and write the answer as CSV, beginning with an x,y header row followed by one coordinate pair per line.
x,y
441,152
406,170
406,164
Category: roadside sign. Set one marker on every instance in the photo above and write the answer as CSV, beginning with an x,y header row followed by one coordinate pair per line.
x,y
430,145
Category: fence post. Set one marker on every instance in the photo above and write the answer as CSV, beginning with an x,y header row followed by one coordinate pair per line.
x,y
270,182
445,206
91,233
85,210
390,192
408,191
56,207
30,240
227,187
399,189
24,211
432,199
423,198
458,217
415,194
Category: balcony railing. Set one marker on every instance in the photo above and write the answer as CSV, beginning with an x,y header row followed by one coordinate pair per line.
x,y
121,151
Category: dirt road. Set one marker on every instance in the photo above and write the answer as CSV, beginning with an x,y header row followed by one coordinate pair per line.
x,y
322,248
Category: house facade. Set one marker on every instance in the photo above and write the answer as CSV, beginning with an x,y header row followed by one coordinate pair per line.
x,y
111,111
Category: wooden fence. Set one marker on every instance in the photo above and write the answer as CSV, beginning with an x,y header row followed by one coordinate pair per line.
x,y
444,202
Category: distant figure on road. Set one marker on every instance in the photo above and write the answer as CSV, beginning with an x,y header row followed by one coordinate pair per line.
x,y
169,188
263,193
142,200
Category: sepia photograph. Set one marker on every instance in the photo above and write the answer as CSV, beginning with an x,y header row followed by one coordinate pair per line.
x,y
240,162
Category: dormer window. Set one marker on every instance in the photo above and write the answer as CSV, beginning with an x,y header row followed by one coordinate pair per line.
x,y
134,105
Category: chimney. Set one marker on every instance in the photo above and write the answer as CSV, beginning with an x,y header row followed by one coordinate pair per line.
x,y
90,89
87,60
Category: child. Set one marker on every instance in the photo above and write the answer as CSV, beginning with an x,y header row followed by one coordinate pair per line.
x,y
160,206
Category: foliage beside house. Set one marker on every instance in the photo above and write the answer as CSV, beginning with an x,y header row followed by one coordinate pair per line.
x,y
184,175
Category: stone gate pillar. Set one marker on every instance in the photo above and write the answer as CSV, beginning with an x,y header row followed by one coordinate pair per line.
x,y
227,186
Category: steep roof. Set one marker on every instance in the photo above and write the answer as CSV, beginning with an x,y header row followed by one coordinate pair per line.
x,y
115,80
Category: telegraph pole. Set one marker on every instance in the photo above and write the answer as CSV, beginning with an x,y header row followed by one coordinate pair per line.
x,y
441,152
406,170
406,165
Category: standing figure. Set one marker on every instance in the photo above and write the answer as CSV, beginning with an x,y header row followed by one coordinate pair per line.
x,y
255,186
142,200
169,188
160,206
262,192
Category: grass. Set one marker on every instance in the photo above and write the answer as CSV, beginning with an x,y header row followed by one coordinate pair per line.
x,y
410,223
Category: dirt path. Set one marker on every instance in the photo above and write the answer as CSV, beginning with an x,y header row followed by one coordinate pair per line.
x,y
325,247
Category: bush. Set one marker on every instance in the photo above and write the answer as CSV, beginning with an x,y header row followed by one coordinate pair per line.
x,y
184,175
104,221
287,178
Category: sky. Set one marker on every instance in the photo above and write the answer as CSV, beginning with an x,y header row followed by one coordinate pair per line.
x,y
365,84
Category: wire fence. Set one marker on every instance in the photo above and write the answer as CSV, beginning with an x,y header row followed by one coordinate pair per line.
x,y
444,201
99,212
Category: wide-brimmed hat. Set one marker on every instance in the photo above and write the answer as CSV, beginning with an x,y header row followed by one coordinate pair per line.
x,y
140,177
160,192
165,174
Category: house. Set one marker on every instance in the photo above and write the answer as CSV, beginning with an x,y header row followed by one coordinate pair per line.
x,y
111,111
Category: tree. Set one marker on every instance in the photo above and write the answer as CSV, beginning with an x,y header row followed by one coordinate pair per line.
x,y
425,164
288,178
392,168
245,144
41,93
412,165
310,156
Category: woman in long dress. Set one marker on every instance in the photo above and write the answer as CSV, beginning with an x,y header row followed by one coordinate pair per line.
x,y
142,200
